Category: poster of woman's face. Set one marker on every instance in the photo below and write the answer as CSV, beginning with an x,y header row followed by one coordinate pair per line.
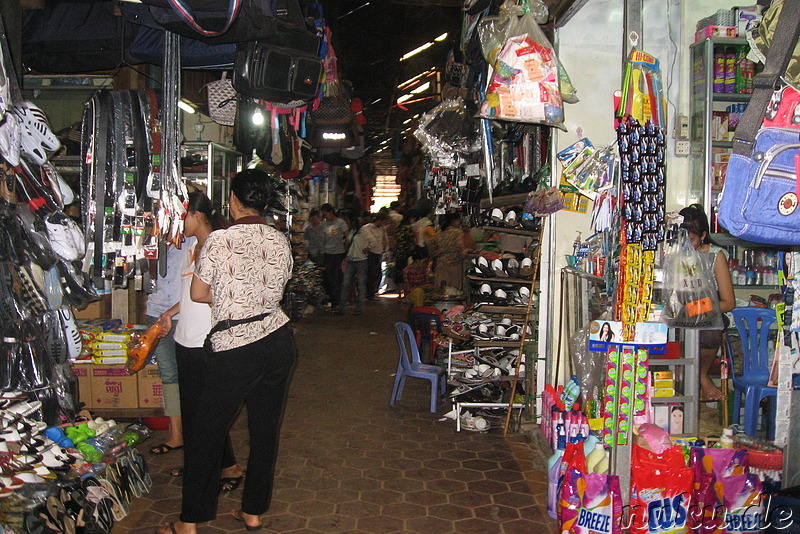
x,y
605,331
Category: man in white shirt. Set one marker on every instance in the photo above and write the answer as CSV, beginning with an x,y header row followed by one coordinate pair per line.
x,y
356,267
379,243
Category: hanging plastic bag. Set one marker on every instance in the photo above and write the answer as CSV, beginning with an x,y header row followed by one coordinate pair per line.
x,y
525,76
448,133
691,299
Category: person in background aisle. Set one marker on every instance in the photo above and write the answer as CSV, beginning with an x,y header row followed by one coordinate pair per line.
x,y
242,272
403,247
423,229
356,266
314,236
417,274
379,244
696,224
167,293
393,220
447,251
334,248
191,332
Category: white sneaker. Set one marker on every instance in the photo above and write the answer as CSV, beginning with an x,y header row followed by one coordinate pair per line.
x,y
62,237
36,138
9,139
74,338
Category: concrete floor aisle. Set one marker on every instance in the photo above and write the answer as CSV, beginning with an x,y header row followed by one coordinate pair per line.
x,y
351,463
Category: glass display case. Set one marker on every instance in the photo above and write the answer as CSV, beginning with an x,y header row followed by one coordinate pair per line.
x,y
721,86
209,167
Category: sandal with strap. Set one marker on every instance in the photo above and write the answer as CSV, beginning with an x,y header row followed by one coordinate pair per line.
x,y
163,448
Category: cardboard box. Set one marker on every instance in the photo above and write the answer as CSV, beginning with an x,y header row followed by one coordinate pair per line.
x,y
664,392
663,375
151,391
95,310
113,387
83,372
661,416
715,31
660,384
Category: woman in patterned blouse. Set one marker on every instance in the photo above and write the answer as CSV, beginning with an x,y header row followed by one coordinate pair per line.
x,y
242,272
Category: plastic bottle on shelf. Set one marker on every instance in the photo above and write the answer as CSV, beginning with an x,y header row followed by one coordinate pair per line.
x,y
589,444
602,466
726,441
595,457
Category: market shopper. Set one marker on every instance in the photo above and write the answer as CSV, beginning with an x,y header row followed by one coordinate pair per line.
x,y
696,224
166,294
314,236
356,266
334,247
379,244
403,248
242,271
191,332
447,252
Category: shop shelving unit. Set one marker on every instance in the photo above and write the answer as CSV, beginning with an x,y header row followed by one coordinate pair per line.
x,y
214,168
704,102
523,315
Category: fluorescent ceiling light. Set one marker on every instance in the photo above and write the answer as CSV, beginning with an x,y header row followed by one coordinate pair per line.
x,y
407,121
417,50
403,98
441,37
186,107
424,87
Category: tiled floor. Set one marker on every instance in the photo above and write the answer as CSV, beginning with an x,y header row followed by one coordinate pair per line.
x,y
351,463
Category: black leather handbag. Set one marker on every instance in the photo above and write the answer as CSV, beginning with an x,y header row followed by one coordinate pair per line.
x,y
275,73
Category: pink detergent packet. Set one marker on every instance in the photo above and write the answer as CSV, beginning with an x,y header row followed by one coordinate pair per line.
x,y
591,504
657,438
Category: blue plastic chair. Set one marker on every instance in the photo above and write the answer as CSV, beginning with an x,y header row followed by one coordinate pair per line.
x,y
413,367
753,325
427,324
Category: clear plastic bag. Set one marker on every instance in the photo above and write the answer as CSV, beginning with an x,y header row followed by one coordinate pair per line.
x,y
526,79
447,132
691,299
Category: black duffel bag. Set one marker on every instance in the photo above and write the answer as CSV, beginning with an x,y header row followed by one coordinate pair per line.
x,y
217,21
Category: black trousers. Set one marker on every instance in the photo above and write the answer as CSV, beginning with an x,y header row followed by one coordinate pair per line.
x,y
192,363
256,375
374,273
333,276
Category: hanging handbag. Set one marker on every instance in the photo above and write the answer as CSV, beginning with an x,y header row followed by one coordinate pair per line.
x,y
760,198
222,101
333,124
274,73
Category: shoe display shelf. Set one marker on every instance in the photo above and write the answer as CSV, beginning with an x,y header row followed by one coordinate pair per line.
x,y
526,315
515,231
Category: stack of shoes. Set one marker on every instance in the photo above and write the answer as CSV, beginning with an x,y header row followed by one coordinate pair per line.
x,y
83,495
473,423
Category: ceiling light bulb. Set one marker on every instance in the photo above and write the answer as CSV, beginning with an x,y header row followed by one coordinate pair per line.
x,y
417,50
441,37
424,87
186,107
258,117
